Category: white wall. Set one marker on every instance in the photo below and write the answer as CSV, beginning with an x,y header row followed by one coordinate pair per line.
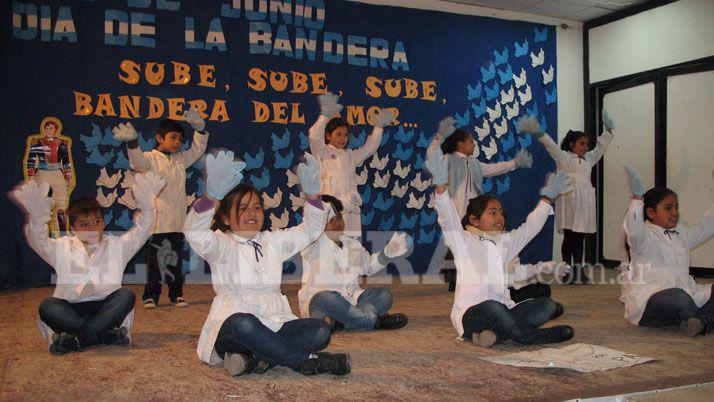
x,y
667,35
569,53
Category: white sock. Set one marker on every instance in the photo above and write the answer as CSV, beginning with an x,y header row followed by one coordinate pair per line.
x,y
312,356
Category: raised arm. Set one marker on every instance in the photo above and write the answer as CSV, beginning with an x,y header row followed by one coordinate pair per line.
x,y
329,108
603,141
704,229
531,125
295,239
34,200
200,138
125,132
556,184
634,222
145,189
381,119
522,160
223,174
449,218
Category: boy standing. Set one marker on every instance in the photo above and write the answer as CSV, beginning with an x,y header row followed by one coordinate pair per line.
x,y
165,247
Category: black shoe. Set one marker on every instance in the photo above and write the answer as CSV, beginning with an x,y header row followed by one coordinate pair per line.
x,y
559,333
116,336
338,364
64,343
692,327
335,326
559,310
391,321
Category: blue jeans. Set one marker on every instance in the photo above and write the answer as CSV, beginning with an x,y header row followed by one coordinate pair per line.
x,y
519,323
674,305
89,321
290,346
363,316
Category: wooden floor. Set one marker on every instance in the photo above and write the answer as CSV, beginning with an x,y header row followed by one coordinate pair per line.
x,y
423,361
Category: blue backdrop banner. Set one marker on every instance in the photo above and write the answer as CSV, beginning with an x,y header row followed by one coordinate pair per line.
x,y
254,69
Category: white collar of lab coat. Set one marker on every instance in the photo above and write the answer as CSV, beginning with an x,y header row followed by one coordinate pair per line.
x,y
460,155
660,230
480,233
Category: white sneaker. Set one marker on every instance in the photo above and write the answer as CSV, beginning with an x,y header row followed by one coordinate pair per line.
x,y
149,304
485,339
236,363
180,302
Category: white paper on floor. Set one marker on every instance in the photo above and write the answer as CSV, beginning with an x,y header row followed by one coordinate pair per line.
x,y
580,357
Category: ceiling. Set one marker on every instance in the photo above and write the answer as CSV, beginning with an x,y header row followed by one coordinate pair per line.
x,y
576,10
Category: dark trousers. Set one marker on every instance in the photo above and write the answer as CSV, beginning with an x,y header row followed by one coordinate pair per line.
x,y
164,252
519,323
290,346
674,305
572,247
89,321
531,291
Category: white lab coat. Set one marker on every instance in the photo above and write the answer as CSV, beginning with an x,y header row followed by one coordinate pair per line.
x,y
458,173
326,266
575,210
80,277
338,171
481,264
658,262
171,202
242,284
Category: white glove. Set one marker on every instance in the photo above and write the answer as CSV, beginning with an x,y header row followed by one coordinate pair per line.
x,y
383,118
124,132
194,118
310,173
438,167
607,120
523,159
556,184
145,189
447,127
635,181
222,174
33,198
398,245
329,106
531,125
552,267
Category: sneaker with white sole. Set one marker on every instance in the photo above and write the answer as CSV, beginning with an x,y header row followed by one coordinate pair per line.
x,y
485,338
180,302
237,363
149,304
692,327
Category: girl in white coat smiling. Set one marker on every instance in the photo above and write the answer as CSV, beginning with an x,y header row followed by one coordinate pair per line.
x,y
660,292
250,325
483,310
575,212
329,137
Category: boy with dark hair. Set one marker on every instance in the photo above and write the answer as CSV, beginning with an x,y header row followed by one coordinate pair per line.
x,y
165,247
88,306
332,266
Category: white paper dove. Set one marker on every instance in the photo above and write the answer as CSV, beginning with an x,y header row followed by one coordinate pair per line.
x,y
416,203
128,179
296,201
520,80
293,178
402,172
548,75
274,201
107,181
494,113
512,111
500,128
381,181
106,201
507,96
419,184
361,178
377,163
484,130
490,150
525,96
127,199
399,191
539,59
279,222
